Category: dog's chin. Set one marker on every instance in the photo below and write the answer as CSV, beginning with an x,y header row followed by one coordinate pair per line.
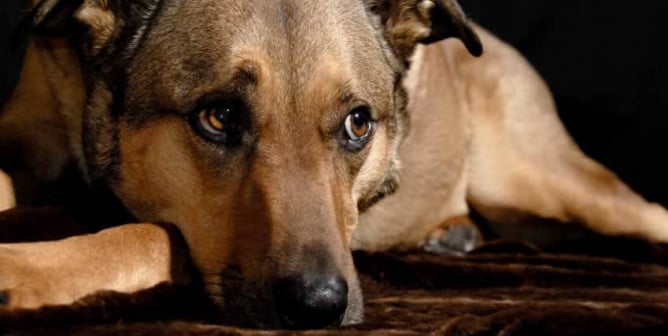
x,y
355,311
262,315
250,304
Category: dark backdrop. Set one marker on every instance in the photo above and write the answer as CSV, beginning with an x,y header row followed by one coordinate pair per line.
x,y
603,59
10,52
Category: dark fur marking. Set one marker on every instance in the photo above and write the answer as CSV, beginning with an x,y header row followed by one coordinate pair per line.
x,y
100,139
100,134
139,18
51,18
145,16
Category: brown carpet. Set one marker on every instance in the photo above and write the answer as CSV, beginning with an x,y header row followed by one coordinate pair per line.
x,y
501,289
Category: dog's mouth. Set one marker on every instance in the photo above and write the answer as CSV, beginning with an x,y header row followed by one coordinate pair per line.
x,y
240,302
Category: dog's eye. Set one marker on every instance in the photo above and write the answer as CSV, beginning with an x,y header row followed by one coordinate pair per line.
x,y
214,120
218,123
358,127
358,124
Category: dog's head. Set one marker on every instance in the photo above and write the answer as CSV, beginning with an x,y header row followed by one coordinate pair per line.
x,y
260,128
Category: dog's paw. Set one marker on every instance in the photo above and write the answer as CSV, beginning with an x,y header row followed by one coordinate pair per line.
x,y
21,298
455,239
27,286
33,296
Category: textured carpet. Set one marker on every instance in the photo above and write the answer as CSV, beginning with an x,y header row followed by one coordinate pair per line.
x,y
502,289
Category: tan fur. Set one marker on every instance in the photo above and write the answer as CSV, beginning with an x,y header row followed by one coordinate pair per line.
x,y
63,271
285,201
102,22
438,139
520,161
7,199
524,161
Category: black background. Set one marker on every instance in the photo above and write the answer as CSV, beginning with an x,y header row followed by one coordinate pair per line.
x,y
10,54
605,61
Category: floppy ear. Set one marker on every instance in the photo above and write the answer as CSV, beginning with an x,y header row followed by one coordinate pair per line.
x,y
409,22
100,21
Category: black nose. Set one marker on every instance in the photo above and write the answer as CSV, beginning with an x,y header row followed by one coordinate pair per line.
x,y
311,302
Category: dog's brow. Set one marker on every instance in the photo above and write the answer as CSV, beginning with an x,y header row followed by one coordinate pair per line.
x,y
243,80
346,93
346,97
246,74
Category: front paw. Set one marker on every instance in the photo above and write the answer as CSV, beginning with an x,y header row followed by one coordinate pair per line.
x,y
25,285
22,298
32,297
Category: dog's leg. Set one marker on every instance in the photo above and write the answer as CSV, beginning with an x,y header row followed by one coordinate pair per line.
x,y
523,162
7,200
125,259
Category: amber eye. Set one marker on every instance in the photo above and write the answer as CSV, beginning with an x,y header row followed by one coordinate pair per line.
x,y
219,122
357,129
358,124
214,120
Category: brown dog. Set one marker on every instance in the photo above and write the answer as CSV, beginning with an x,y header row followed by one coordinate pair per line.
x,y
262,129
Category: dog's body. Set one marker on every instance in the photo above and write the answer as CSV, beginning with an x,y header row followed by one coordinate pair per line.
x,y
483,132
496,129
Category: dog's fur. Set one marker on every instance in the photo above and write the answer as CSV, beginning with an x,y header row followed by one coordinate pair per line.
x,y
107,85
7,200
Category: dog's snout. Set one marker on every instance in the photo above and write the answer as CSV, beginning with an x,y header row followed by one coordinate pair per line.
x,y
304,303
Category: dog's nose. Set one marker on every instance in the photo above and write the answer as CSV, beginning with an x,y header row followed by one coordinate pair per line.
x,y
311,303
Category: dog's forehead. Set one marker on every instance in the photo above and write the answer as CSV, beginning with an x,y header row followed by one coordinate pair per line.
x,y
195,43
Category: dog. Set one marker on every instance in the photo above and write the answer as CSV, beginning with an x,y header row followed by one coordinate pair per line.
x,y
274,136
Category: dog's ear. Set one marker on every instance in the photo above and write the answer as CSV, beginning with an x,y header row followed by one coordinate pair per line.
x,y
407,23
100,21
